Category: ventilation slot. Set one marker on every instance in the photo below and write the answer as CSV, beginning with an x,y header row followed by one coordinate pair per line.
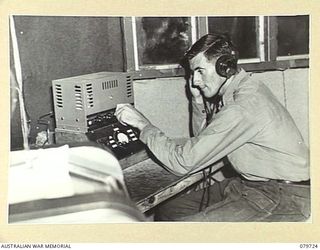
x,y
59,100
109,84
129,86
89,95
78,97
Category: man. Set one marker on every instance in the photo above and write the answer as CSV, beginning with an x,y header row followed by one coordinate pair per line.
x,y
251,128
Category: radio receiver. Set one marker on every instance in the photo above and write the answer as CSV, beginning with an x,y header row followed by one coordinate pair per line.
x,y
85,105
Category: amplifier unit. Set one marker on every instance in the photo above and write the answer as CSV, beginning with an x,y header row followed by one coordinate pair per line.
x,y
82,103
84,111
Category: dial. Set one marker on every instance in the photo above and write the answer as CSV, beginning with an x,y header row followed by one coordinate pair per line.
x,y
122,138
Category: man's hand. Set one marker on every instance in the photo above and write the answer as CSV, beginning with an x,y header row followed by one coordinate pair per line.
x,y
128,115
196,95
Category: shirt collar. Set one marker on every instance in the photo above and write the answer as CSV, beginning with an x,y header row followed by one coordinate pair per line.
x,y
233,85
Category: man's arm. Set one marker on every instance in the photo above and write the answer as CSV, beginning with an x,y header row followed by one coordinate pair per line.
x,y
127,114
230,129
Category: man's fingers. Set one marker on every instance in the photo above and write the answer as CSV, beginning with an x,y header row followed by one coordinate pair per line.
x,y
121,121
121,107
119,114
122,104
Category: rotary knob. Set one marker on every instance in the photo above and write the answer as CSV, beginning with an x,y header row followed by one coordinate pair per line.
x,y
122,138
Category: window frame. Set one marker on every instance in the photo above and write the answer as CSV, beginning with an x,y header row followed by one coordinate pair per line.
x,y
266,41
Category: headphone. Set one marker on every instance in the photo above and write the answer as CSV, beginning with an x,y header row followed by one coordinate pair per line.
x,y
226,65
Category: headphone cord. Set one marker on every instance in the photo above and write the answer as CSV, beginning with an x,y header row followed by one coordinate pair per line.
x,y
206,186
208,179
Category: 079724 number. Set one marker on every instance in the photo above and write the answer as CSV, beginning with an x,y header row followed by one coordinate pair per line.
x,y
308,246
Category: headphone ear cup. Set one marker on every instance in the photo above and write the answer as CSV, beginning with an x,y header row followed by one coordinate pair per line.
x,y
226,66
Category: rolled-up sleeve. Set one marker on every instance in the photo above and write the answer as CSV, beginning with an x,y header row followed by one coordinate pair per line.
x,y
231,128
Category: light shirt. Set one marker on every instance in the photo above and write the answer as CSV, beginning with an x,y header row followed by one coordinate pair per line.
x,y
253,129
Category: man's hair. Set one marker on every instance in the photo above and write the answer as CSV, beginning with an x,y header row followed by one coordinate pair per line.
x,y
212,45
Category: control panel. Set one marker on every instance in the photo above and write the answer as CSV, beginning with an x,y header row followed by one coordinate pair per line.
x,y
122,140
101,119
119,138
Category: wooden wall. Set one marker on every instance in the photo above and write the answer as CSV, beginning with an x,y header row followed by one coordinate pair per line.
x,y
58,47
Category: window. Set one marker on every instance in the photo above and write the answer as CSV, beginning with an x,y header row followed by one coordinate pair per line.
x,y
293,35
243,32
154,45
162,40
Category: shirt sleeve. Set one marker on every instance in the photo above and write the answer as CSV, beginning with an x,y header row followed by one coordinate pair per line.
x,y
231,128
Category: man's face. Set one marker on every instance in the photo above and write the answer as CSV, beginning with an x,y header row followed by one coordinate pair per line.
x,y
204,75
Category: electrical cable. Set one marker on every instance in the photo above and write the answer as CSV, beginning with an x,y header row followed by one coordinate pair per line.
x,y
42,116
206,187
204,190
207,182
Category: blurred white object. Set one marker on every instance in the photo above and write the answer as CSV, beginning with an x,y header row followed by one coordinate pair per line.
x,y
68,185
39,174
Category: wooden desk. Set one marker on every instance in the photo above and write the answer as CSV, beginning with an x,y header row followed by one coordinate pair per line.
x,y
149,184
